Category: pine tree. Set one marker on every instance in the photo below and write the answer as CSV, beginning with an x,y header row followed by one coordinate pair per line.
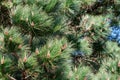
x,y
59,40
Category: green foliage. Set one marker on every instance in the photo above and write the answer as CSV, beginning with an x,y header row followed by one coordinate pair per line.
x,y
85,46
10,40
81,73
53,57
113,50
49,59
37,38
29,18
109,70
50,5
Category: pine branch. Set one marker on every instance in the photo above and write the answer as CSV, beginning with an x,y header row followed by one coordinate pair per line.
x,y
31,39
24,75
93,9
15,55
10,77
5,16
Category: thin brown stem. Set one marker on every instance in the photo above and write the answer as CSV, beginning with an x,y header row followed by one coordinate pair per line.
x,y
11,78
31,39
24,75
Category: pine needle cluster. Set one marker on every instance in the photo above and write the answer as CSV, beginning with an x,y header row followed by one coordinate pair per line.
x,y
58,40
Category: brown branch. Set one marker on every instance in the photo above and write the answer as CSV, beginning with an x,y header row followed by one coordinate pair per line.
x,y
24,75
15,55
5,16
10,77
31,38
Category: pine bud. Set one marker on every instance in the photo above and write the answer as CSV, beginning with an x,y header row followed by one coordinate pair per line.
x,y
1,47
20,46
1,39
32,13
2,60
75,69
92,34
25,58
26,19
10,38
32,24
108,79
48,54
119,64
37,51
6,32
64,46
21,18
112,70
